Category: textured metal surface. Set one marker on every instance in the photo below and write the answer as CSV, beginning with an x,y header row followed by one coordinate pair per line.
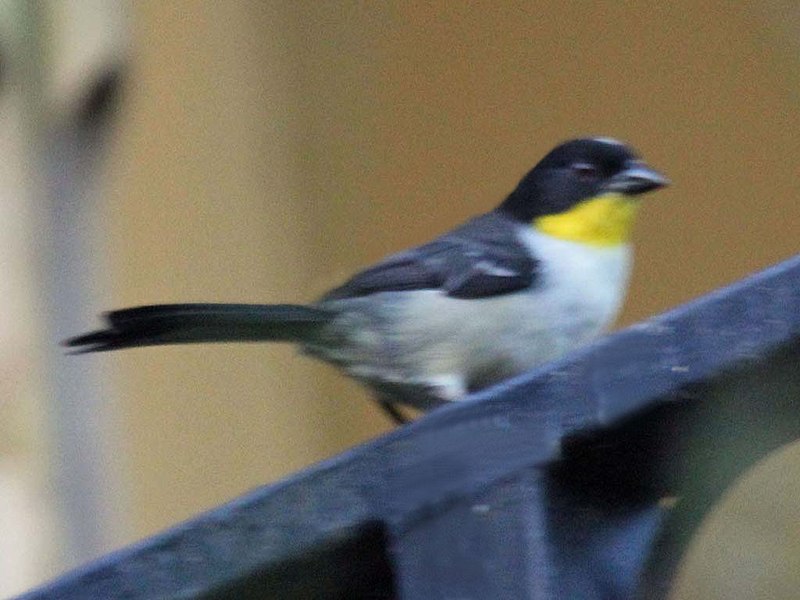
x,y
548,486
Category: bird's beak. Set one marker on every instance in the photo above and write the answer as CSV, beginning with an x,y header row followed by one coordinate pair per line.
x,y
637,178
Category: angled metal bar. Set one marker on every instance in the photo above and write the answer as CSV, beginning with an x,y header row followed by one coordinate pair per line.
x,y
548,486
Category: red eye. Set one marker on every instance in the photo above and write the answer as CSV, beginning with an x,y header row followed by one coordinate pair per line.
x,y
584,170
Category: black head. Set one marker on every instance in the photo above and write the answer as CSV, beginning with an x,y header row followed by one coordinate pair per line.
x,y
576,171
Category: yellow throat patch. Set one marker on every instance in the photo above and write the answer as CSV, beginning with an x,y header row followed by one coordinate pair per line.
x,y
604,220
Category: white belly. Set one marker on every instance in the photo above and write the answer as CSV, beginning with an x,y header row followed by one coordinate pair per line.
x,y
457,345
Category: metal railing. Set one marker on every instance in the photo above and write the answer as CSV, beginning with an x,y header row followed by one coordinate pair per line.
x,y
552,485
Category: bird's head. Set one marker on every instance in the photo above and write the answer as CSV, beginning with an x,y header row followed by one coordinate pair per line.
x,y
585,190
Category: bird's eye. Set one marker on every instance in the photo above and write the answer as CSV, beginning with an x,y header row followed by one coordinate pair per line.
x,y
584,170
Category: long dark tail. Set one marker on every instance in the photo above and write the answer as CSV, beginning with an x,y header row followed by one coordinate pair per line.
x,y
198,323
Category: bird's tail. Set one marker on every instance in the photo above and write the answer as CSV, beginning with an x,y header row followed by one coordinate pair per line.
x,y
198,323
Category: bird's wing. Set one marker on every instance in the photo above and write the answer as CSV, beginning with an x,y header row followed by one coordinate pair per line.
x,y
482,258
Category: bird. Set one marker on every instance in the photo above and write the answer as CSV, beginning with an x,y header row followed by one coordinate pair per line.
x,y
541,274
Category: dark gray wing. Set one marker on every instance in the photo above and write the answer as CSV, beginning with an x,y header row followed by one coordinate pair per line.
x,y
482,258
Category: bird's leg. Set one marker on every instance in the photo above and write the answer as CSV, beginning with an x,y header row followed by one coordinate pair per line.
x,y
392,410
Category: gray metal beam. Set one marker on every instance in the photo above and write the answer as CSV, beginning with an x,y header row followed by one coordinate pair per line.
x,y
548,486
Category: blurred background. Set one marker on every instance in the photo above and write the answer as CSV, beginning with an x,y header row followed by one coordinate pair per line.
x,y
257,151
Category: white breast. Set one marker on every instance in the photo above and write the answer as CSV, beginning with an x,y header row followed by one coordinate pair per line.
x,y
582,284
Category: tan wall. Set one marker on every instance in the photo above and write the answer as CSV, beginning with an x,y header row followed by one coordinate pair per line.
x,y
269,148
